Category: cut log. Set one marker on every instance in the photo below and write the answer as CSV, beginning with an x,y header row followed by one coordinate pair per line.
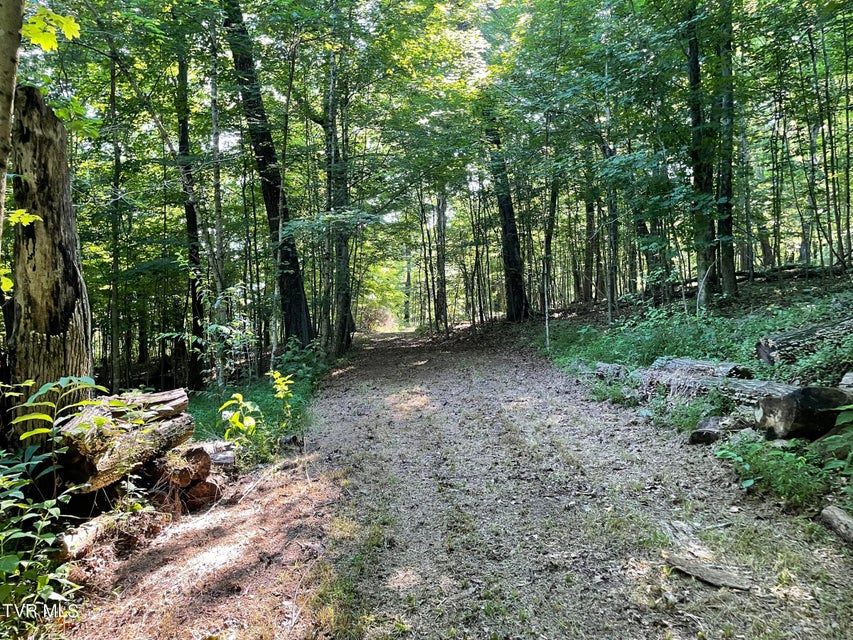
x,y
77,542
807,412
708,431
181,468
839,521
131,406
684,384
704,367
706,573
202,494
129,450
790,346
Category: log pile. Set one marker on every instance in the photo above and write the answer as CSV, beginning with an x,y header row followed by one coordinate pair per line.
x,y
190,477
117,435
790,346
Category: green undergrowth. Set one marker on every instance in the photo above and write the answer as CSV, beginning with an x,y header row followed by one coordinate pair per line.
x,y
261,415
798,473
729,334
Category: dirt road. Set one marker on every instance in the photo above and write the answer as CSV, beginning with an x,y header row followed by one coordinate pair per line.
x,y
485,497
470,490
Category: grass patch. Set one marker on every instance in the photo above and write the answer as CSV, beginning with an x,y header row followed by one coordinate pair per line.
x,y
340,609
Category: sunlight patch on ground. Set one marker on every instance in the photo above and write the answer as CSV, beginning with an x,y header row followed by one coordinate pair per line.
x,y
404,579
407,402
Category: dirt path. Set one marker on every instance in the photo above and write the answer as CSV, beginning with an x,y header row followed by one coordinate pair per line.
x,y
485,497
471,491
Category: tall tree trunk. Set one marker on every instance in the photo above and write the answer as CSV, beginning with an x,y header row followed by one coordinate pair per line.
x,y
115,236
195,364
440,261
297,320
11,22
590,246
608,152
517,305
51,336
702,163
217,250
725,195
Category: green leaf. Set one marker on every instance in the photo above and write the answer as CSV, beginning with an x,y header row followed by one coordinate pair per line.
x,y
33,416
845,417
35,432
9,563
22,217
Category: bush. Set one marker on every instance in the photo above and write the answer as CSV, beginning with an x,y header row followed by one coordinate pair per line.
x,y
790,469
30,579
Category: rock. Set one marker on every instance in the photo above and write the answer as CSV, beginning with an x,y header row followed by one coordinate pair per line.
x,y
608,371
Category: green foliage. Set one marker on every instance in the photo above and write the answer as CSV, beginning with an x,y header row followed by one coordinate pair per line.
x,y
656,332
789,470
28,573
259,427
682,414
42,27
837,451
621,392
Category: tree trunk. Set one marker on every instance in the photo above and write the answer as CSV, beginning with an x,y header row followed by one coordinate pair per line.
x,y
790,346
51,336
725,195
11,22
195,364
701,161
441,261
297,320
517,305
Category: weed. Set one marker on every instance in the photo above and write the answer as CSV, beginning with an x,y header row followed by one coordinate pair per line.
x,y
791,471
614,391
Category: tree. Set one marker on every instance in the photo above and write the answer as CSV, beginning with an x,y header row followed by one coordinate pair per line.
x,y
11,22
297,320
51,335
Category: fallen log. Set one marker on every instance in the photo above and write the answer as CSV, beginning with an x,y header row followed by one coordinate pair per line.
x,y
807,412
202,494
684,384
790,346
129,450
77,542
182,468
115,435
704,367
839,521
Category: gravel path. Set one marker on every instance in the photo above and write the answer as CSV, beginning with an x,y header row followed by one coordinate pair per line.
x,y
485,497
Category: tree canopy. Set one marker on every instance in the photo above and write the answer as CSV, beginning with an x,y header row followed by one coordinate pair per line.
x,y
250,173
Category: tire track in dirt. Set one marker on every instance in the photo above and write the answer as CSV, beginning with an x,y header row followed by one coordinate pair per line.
x,y
503,504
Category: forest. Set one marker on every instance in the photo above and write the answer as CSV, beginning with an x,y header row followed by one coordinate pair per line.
x,y
224,198
245,176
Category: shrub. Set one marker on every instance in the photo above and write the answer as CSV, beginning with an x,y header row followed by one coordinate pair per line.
x,y
790,470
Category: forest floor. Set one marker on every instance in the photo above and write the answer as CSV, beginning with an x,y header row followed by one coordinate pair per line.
x,y
468,489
